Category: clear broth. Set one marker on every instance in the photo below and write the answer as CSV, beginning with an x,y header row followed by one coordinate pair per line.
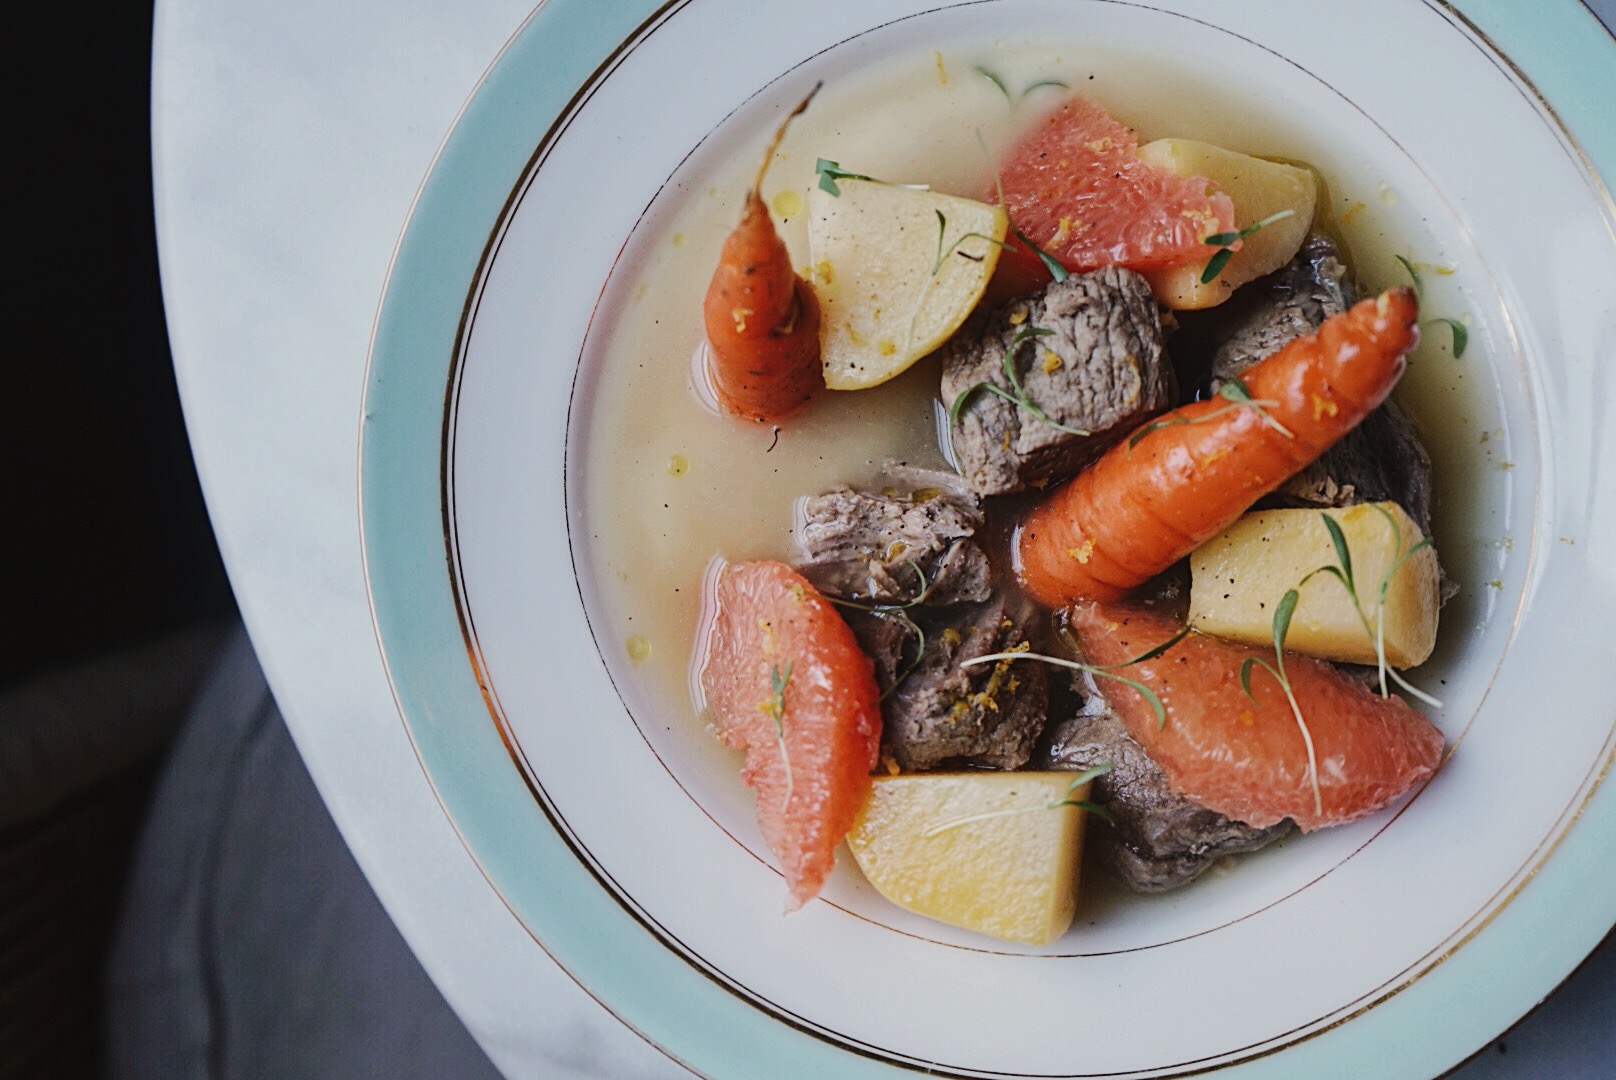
x,y
672,484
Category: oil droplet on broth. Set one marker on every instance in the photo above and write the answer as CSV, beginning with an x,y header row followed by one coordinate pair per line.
x,y
786,203
678,465
638,648
1387,195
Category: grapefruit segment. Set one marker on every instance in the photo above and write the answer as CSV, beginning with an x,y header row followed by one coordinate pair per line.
x,y
1076,186
1247,759
786,681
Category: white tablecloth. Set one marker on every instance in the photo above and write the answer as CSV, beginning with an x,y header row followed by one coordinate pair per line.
x,y
289,139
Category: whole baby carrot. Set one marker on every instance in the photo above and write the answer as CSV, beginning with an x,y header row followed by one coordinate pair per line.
x,y
762,320
1153,498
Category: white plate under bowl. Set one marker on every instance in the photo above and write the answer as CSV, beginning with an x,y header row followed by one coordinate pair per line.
x,y
624,840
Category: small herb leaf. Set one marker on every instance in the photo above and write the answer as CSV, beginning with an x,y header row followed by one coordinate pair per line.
x,y
1245,675
1028,331
1220,259
1154,425
1224,239
1342,553
1413,277
1235,389
1461,336
1091,773
990,815
942,228
1282,622
776,708
1150,696
969,392
1052,264
1040,83
1425,542
1239,397
1106,672
1335,571
1215,265
1014,99
899,613
830,172
996,81
1151,654
1017,395
1089,808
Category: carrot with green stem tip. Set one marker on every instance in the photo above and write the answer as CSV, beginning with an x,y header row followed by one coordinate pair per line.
x,y
1155,497
762,320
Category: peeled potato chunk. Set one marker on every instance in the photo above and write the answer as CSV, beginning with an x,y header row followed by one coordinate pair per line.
x,y
896,271
1259,188
994,852
1239,576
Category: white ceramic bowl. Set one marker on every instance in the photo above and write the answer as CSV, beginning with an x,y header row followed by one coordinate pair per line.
x,y
624,840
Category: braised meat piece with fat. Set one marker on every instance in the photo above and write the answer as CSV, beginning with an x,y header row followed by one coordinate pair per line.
x,y
943,713
1087,354
1159,840
906,543
916,589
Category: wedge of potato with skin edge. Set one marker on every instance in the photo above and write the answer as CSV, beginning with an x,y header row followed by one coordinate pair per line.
x,y
896,271
1238,577
1259,189
995,852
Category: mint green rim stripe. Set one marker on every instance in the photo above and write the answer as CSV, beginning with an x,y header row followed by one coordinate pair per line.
x,y
585,929
1562,913
1555,920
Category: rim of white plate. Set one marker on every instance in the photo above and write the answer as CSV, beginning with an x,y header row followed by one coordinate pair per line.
x,y
381,605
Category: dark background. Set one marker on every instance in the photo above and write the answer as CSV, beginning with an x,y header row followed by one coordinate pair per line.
x,y
109,541
106,535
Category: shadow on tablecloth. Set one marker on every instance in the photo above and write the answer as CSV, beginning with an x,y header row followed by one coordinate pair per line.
x,y
250,944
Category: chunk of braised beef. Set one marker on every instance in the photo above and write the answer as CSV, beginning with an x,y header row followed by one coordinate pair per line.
x,y
1159,840
943,713
1290,302
1099,369
887,638
896,546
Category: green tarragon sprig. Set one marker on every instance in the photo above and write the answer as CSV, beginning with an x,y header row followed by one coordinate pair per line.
x,y
944,250
942,231
1056,271
899,613
831,171
1461,335
1052,264
1018,394
1232,390
775,707
1282,624
1017,99
1103,671
1055,804
1342,572
1223,240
